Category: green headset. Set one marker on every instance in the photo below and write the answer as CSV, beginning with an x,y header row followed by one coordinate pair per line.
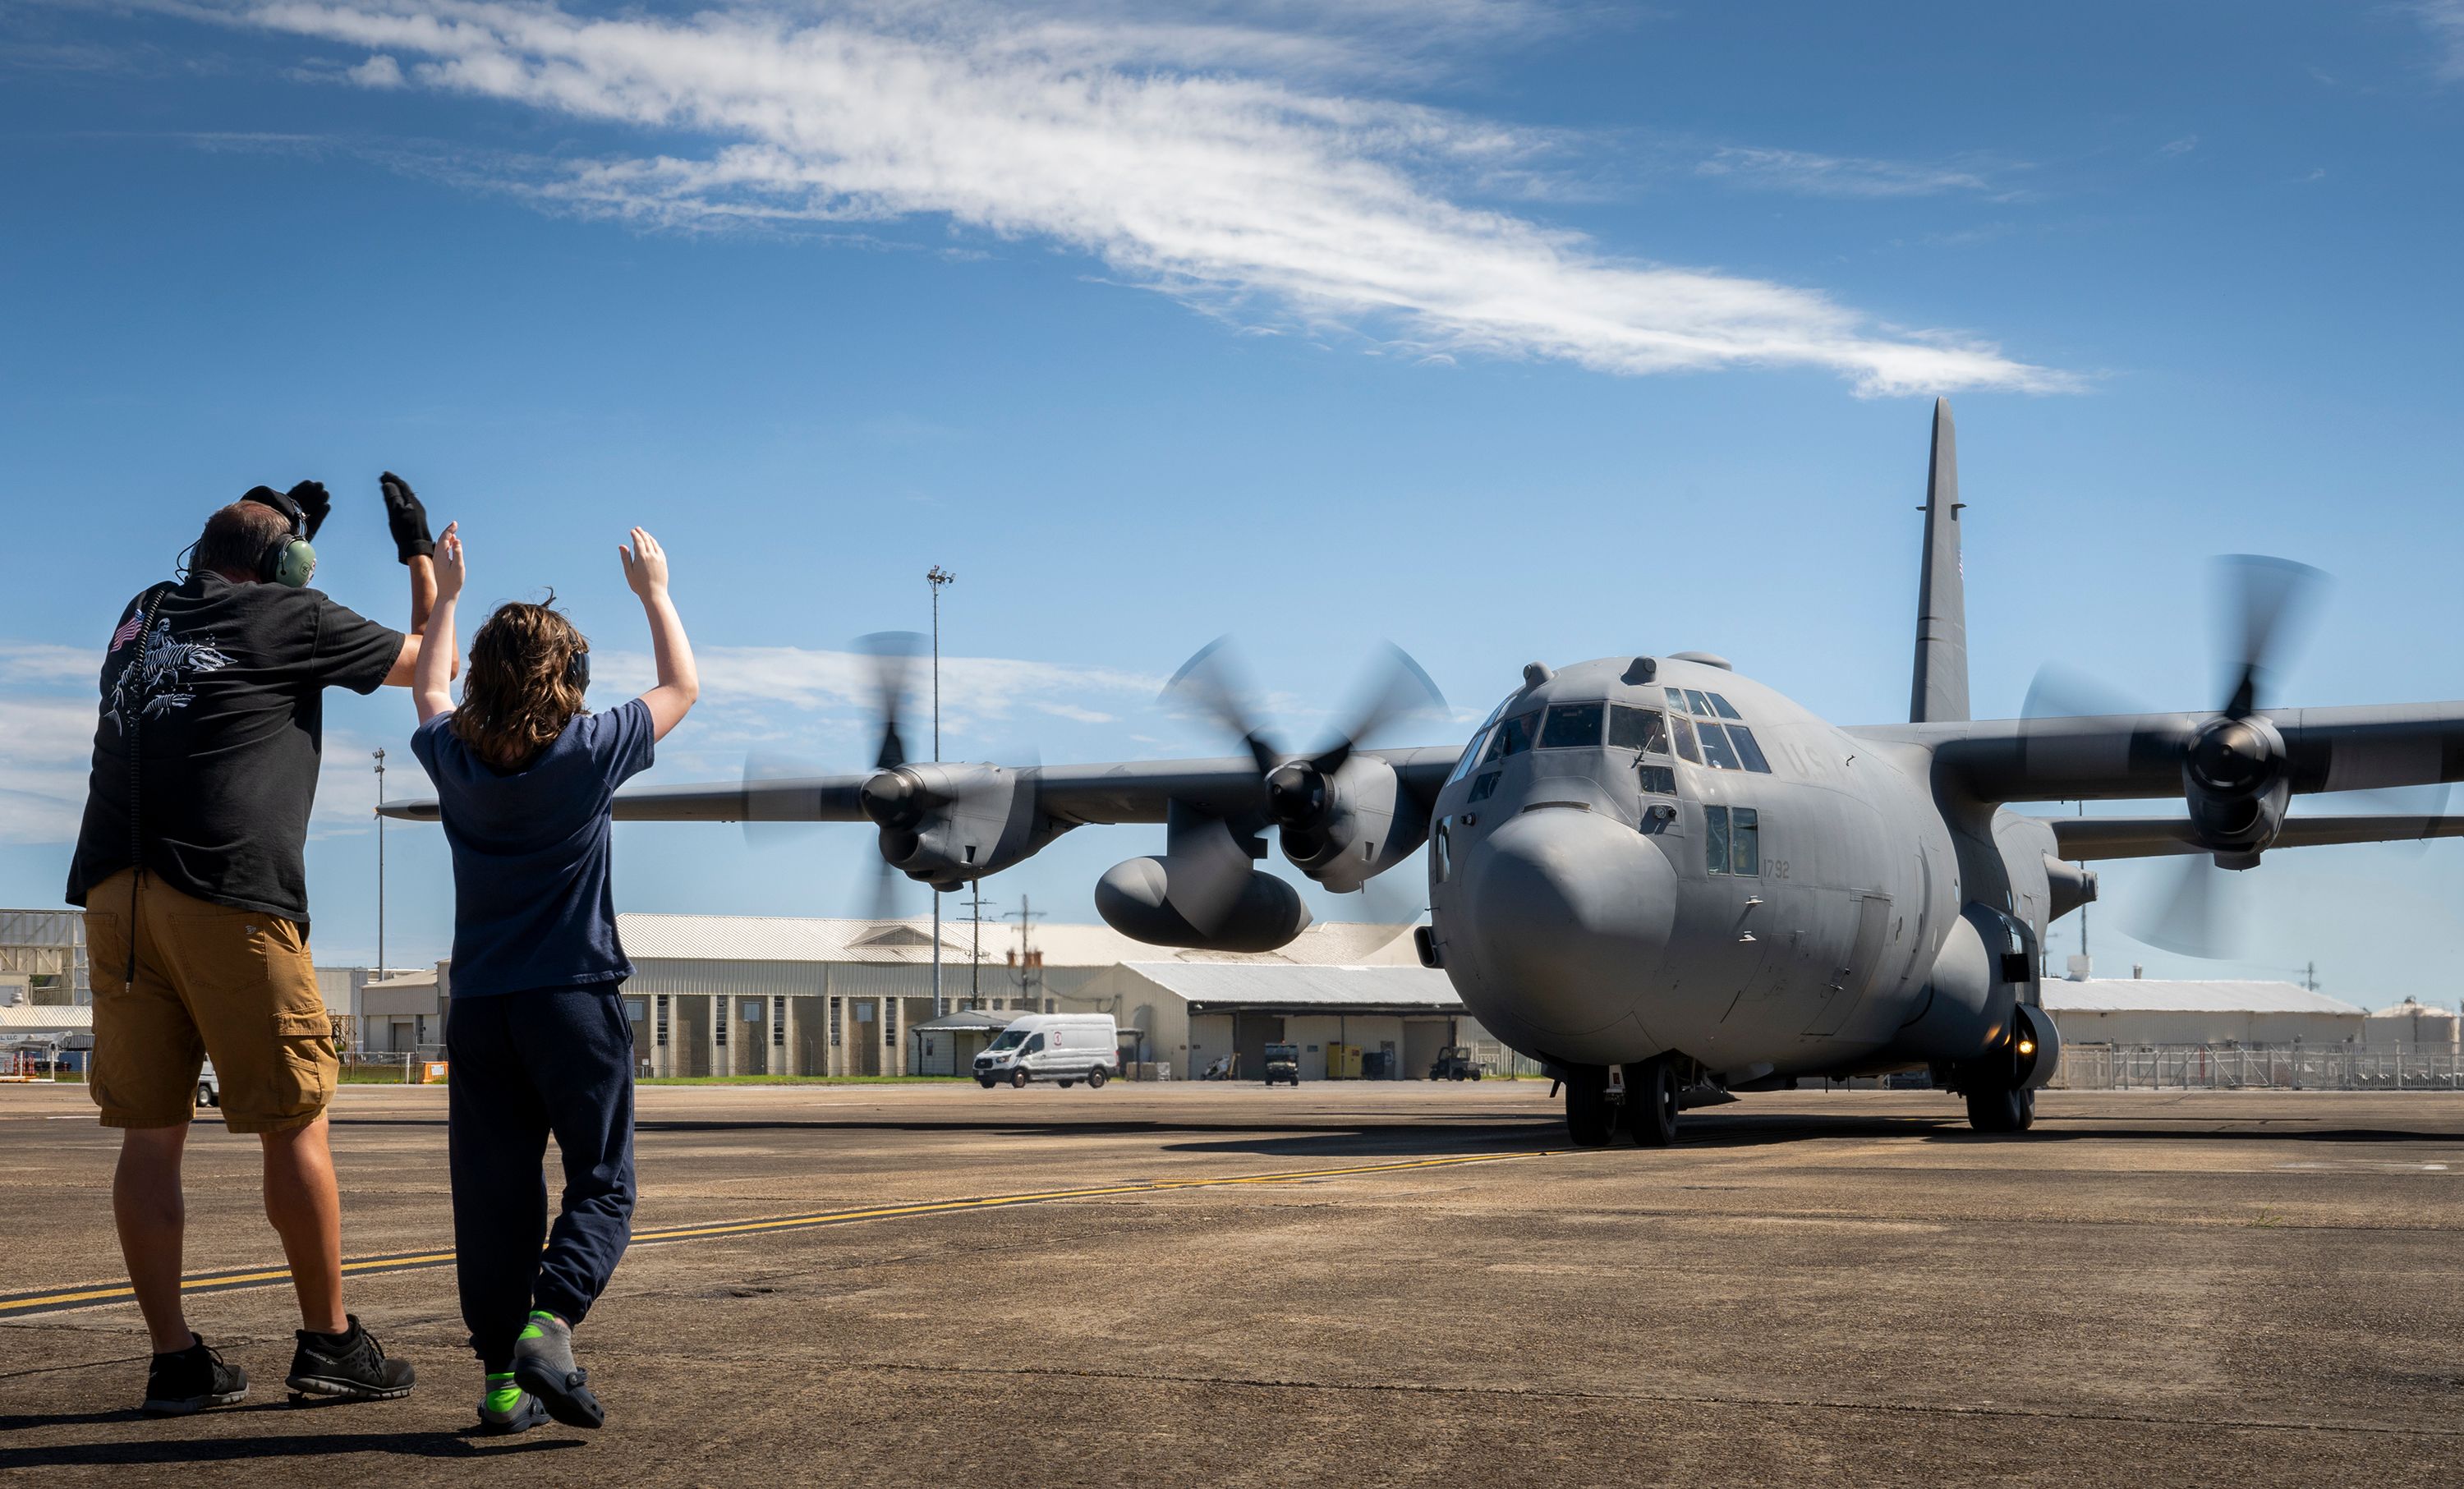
x,y
290,562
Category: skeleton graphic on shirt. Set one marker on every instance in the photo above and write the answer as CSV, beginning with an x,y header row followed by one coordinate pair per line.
x,y
160,677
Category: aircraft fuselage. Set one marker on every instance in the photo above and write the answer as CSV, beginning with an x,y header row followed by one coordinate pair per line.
x,y
1645,857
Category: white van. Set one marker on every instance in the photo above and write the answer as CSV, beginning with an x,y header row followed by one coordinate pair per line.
x,y
1064,1047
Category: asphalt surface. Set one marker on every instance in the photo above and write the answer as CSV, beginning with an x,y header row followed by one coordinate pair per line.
x,y
1353,1283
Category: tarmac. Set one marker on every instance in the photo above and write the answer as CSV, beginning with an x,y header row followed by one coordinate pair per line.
x,y
1404,1284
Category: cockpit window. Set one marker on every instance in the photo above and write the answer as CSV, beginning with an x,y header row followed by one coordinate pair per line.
x,y
1571,726
1716,751
1480,736
1637,728
1733,840
1513,737
1470,756
1701,703
1721,706
1747,750
1682,728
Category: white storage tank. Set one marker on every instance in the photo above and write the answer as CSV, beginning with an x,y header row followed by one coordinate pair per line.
x,y
2413,1026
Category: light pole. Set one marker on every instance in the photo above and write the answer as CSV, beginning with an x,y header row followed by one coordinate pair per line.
x,y
380,961
936,578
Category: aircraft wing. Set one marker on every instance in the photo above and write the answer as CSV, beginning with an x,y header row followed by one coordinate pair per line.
x,y
2135,755
2151,837
1133,791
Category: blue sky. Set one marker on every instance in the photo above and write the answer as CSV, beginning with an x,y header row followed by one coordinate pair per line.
x,y
1502,330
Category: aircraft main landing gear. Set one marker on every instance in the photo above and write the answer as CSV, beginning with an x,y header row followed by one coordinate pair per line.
x,y
1590,1117
1651,1102
1641,1102
2001,1108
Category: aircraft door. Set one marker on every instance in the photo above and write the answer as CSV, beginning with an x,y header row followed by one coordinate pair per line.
x,y
1848,985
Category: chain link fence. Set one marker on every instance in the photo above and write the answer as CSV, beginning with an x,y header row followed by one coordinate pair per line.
x,y
2289,1067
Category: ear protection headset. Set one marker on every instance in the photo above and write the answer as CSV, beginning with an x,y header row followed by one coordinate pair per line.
x,y
289,561
576,671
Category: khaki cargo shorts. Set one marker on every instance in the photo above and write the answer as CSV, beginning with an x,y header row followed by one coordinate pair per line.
x,y
234,984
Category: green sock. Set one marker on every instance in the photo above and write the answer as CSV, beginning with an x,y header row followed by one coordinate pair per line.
x,y
502,1394
532,1330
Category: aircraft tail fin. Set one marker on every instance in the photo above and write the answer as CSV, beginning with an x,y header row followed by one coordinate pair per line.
x,y
1938,690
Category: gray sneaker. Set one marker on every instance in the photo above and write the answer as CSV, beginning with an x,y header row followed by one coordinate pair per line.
x,y
506,1408
543,1365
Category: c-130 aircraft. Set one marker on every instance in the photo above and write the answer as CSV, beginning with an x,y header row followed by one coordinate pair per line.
x,y
1664,880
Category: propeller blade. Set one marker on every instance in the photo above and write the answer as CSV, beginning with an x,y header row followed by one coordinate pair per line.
x,y
892,658
2060,702
1213,683
881,898
2429,803
2199,915
2266,607
1394,686
1399,897
768,765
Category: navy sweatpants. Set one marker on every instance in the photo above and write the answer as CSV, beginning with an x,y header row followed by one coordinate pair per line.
x,y
525,1065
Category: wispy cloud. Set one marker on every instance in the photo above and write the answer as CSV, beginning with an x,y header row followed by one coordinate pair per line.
x,y
2175,149
2444,20
44,754
1811,174
1217,161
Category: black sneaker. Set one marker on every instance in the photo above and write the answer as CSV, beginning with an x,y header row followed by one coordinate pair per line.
x,y
351,1366
191,1380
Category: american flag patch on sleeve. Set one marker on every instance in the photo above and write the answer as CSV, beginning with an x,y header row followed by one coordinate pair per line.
x,y
128,629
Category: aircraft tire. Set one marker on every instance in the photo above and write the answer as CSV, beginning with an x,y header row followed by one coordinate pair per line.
x,y
1651,1103
1591,1121
2001,1109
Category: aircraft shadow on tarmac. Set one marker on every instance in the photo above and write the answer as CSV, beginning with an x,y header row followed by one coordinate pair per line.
x,y
1748,1130
1325,1136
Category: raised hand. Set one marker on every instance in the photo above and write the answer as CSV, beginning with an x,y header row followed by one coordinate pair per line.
x,y
314,502
406,518
449,570
646,564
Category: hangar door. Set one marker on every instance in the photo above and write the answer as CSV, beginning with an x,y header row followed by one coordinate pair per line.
x,y
1251,1033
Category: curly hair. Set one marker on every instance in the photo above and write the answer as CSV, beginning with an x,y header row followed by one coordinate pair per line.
x,y
519,691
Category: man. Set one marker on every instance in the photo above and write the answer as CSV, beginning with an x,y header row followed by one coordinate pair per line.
x,y
190,866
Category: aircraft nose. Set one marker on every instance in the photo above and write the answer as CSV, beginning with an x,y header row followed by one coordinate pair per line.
x,y
1572,911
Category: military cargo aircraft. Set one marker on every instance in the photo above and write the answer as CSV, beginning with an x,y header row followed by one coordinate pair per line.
x,y
1667,881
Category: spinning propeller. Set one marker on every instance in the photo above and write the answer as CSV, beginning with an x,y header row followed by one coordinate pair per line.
x,y
2235,769
1301,789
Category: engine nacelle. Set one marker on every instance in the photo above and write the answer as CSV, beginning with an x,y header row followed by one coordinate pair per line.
x,y
946,826
2236,784
1361,826
1136,899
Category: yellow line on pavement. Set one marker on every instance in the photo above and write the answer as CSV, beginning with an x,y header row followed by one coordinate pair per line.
x,y
23,1304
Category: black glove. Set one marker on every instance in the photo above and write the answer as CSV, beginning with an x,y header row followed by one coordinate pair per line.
x,y
406,518
314,502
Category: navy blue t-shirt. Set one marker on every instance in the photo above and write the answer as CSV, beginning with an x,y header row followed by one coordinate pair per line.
x,y
532,904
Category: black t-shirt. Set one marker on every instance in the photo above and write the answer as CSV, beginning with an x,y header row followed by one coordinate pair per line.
x,y
226,696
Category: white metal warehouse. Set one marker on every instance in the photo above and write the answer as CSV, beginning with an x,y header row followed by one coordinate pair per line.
x,y
748,995
2136,1011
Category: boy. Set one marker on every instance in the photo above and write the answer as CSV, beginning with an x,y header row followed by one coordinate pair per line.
x,y
536,1030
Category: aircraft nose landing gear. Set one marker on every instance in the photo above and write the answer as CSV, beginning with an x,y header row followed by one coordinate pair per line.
x,y
1640,1100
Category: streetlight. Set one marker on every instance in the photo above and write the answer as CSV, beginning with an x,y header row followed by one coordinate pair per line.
x,y
938,577
381,821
